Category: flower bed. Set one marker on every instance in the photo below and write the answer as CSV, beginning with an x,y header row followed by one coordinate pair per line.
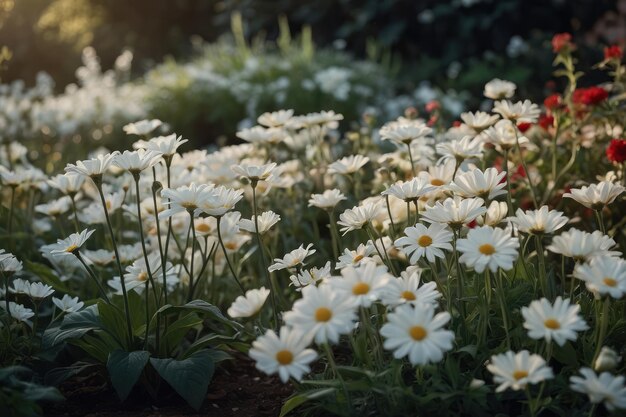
x,y
469,270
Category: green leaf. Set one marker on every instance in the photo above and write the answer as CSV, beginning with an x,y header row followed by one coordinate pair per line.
x,y
565,354
57,375
300,399
209,340
113,320
190,377
46,275
73,326
180,327
125,369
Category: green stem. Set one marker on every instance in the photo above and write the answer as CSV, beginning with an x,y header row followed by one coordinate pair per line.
x,y
98,183
143,240
408,145
505,166
268,278
604,324
92,276
232,270
521,156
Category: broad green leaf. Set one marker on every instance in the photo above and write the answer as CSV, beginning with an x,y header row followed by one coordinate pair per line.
x,y
113,320
209,340
177,330
300,399
190,377
57,375
46,275
125,369
73,326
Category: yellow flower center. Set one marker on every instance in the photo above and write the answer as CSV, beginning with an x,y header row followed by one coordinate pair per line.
x,y
71,248
418,333
231,245
519,375
109,205
189,206
486,249
358,258
425,241
609,282
284,357
408,295
360,288
203,228
143,275
436,182
323,314
552,324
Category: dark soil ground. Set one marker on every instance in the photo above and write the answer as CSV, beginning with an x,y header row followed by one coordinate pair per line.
x,y
237,389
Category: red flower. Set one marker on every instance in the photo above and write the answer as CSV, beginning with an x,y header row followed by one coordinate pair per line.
x,y
546,122
562,42
616,151
523,127
613,52
432,105
472,224
433,119
553,102
589,96
456,123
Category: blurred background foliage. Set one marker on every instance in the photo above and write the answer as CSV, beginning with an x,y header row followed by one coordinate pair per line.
x,y
381,48
457,42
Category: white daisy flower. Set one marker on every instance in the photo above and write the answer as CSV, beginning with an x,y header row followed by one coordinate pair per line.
x,y
516,370
19,312
607,360
327,200
504,135
100,257
606,388
558,321
488,247
254,172
137,274
476,183
405,133
311,276
39,290
583,246
358,217
603,275
407,289
276,119
417,332
9,263
410,190
72,243
520,112
496,212
425,241
468,147
354,257
69,184
93,168
596,196
497,89
538,222
455,211
250,304
348,165
260,134
142,127
292,259
164,145
364,283
286,354
479,120
137,161
185,199
322,314
266,221
67,304
220,200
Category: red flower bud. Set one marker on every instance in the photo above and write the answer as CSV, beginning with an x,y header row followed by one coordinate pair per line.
x,y
562,42
553,102
616,151
546,122
613,52
589,96
523,127
432,105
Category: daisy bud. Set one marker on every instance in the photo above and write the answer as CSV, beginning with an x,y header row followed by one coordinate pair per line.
x,y
607,360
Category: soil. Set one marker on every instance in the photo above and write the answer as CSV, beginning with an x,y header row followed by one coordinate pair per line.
x,y
237,389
